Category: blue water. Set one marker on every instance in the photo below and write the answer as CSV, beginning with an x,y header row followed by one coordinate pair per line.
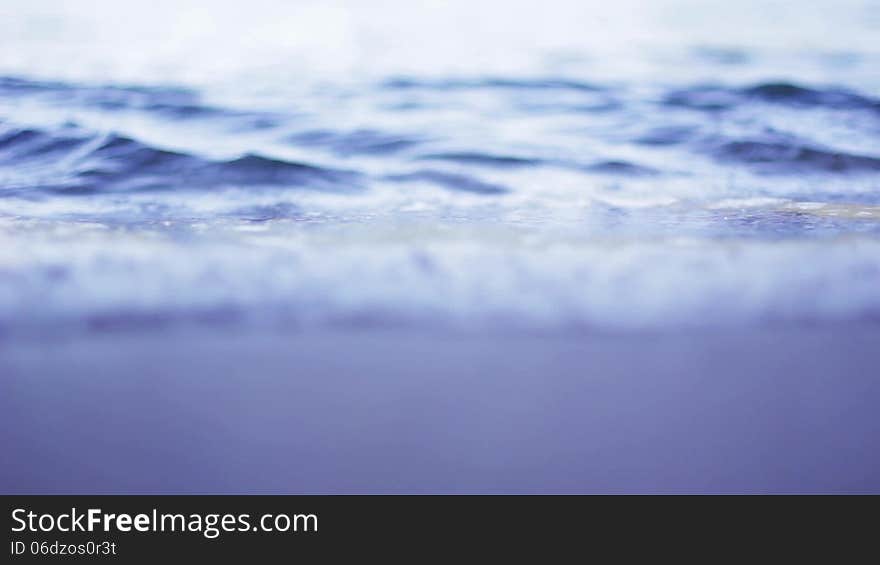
x,y
439,246
656,166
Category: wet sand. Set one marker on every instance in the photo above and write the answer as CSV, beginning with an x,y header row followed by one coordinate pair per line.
x,y
777,410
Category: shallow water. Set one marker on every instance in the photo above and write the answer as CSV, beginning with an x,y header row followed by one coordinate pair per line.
x,y
575,166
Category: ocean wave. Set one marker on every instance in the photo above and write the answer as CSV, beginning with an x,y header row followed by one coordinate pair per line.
x,y
619,167
775,154
79,162
551,201
357,142
794,94
716,98
25,144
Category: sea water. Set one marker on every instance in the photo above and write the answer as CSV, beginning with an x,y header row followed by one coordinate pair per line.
x,y
558,166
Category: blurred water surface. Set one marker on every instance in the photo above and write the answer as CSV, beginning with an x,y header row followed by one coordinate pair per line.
x,y
553,165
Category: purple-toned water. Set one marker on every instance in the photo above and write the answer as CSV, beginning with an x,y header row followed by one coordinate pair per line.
x,y
567,247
